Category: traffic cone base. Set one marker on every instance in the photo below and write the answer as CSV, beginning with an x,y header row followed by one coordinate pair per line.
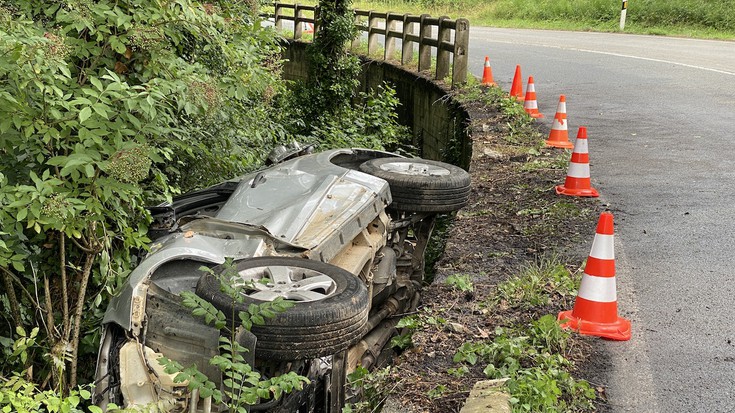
x,y
617,330
588,192
557,144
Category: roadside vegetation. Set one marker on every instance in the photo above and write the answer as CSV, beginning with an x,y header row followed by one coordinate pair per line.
x,y
111,106
689,18
513,260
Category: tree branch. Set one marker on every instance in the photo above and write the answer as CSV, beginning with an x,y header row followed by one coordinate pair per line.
x,y
64,291
14,306
14,278
49,316
86,250
96,247
88,261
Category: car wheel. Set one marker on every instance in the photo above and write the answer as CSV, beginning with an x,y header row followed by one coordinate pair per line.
x,y
330,312
421,185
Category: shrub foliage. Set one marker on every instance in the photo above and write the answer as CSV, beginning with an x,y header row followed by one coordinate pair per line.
x,y
102,104
107,106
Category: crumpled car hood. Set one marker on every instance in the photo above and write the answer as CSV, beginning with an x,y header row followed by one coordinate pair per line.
x,y
303,201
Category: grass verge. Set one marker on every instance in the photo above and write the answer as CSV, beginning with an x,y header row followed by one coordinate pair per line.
x,y
713,19
510,265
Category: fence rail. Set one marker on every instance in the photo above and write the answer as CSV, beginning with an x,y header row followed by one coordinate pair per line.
x,y
450,38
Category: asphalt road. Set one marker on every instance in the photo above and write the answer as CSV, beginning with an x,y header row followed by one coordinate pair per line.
x,y
661,119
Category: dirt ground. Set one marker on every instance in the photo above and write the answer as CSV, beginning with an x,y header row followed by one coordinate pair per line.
x,y
514,219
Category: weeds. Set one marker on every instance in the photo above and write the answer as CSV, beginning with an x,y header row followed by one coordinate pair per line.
x,y
371,388
460,282
536,286
520,129
558,162
533,360
422,320
550,217
437,391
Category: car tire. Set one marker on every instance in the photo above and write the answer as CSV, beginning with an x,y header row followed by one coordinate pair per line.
x,y
330,318
421,185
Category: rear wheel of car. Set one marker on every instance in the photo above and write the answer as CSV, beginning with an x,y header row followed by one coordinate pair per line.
x,y
330,312
421,185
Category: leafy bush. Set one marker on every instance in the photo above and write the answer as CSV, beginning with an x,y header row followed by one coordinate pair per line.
x,y
334,114
17,394
107,106
371,388
370,124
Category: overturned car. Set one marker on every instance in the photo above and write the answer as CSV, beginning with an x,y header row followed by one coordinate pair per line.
x,y
340,233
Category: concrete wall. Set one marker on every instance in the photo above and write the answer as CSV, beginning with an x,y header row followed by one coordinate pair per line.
x,y
439,124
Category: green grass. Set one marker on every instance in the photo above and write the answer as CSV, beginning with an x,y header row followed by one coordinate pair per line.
x,y
689,18
534,360
536,286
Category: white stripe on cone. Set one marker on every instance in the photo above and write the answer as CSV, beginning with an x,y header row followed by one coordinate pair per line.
x,y
603,247
562,108
581,146
559,125
598,289
578,170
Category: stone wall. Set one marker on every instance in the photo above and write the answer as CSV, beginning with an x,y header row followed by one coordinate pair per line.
x,y
439,124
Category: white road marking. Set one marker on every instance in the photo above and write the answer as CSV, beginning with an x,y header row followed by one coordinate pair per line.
x,y
650,59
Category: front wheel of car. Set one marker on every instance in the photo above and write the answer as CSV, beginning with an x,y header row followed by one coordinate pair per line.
x,y
421,185
330,312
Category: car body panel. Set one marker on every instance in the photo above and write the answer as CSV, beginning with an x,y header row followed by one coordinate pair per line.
x,y
313,212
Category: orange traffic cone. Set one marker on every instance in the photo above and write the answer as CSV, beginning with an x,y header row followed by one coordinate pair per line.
x,y
578,175
595,310
487,74
559,137
308,28
531,106
516,89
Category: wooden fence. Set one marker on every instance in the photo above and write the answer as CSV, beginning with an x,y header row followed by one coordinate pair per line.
x,y
448,37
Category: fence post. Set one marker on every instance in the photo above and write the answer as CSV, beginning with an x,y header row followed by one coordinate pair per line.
x,y
297,26
461,46
372,36
317,18
356,41
390,42
407,45
442,54
278,22
424,49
